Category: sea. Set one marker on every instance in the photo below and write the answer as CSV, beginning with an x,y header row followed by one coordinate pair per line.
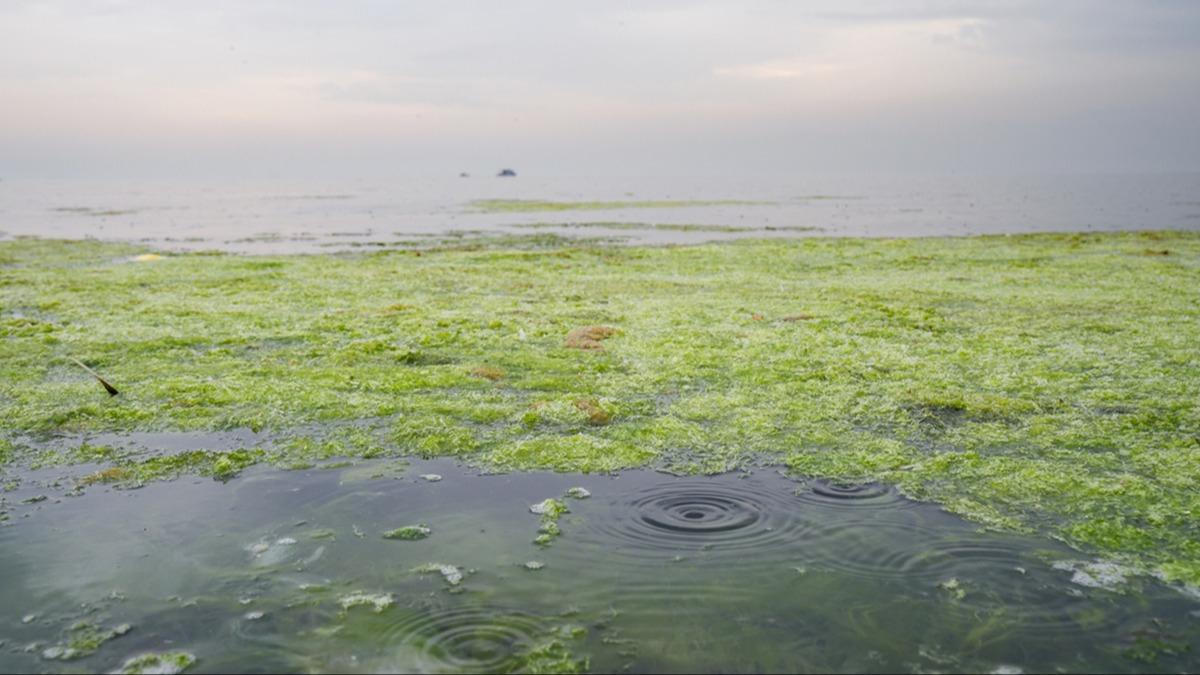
x,y
314,216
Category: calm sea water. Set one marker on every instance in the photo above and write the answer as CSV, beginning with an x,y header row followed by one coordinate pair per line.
x,y
278,571
264,217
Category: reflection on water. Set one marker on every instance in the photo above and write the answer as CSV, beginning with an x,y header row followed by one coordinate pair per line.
x,y
652,573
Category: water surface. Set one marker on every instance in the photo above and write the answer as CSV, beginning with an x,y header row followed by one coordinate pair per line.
x,y
320,216
741,572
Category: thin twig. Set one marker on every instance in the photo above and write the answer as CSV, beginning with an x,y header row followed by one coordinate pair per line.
x,y
112,391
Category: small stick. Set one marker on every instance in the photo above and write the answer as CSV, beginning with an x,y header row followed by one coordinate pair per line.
x,y
112,391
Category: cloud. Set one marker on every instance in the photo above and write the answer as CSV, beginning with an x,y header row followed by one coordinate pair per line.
x,y
738,80
782,69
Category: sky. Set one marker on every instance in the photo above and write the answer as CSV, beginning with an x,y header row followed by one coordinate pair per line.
x,y
304,88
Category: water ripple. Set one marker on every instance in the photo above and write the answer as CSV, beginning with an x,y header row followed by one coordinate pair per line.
x,y
906,550
690,515
853,496
467,639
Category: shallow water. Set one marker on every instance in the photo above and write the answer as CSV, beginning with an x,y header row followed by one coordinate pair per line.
x,y
356,214
652,573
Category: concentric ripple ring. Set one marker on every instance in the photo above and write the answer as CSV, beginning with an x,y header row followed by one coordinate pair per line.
x,y
855,496
466,639
700,514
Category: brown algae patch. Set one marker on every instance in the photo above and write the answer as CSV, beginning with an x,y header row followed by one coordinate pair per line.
x,y
591,407
114,474
589,337
488,373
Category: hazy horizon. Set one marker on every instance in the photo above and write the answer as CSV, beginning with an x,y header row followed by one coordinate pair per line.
x,y
317,90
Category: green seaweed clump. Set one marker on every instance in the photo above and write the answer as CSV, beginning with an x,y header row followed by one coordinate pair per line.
x,y
450,573
1150,648
164,663
377,601
550,657
408,533
954,588
550,510
83,639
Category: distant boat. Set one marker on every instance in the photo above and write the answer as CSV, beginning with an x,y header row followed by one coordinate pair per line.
x,y
507,172
464,175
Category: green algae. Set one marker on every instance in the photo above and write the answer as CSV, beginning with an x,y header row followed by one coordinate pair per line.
x,y
550,510
83,639
408,533
535,205
220,465
91,211
480,241
550,657
1149,649
378,602
450,573
165,663
954,588
323,534
1044,383
665,227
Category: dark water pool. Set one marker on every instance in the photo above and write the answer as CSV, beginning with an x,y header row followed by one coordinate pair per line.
x,y
289,570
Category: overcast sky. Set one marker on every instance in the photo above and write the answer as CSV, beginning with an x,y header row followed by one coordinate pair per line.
x,y
164,88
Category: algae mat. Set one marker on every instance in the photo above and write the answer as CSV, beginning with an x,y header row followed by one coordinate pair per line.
x,y
1047,383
